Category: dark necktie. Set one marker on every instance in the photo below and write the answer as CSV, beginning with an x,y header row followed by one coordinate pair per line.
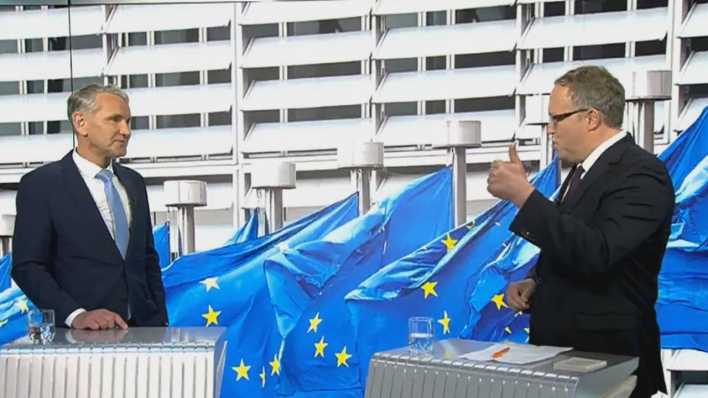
x,y
574,180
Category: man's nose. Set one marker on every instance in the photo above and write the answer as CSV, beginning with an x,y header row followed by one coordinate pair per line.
x,y
125,128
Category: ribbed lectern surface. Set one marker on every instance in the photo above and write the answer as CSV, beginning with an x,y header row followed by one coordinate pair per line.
x,y
398,374
133,363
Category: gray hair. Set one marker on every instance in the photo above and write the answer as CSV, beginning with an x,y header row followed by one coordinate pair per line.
x,y
84,99
595,87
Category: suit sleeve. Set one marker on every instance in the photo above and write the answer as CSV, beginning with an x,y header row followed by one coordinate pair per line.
x,y
152,267
628,214
32,260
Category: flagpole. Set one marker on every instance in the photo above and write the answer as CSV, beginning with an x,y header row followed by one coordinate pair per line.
x,y
647,88
273,178
185,195
460,135
361,158
7,226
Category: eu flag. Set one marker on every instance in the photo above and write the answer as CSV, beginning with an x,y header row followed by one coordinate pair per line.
x,y
5,268
226,287
13,307
457,279
307,284
248,232
161,239
683,281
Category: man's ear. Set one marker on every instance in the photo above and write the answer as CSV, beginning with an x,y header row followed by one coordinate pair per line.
x,y
79,121
594,119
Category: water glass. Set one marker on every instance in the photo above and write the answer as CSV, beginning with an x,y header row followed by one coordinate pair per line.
x,y
420,335
40,325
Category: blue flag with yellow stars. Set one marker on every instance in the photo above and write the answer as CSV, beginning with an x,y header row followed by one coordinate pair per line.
x,y
307,284
248,232
5,268
228,289
161,239
13,307
457,280
683,297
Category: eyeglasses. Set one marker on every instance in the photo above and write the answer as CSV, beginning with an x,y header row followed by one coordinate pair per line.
x,y
557,118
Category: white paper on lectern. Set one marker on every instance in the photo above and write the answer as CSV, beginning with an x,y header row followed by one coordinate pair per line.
x,y
518,354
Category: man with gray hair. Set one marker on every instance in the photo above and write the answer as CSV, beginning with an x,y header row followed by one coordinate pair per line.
x,y
602,240
83,241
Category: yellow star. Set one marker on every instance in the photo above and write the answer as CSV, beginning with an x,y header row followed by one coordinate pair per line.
x,y
449,242
22,305
262,375
498,299
342,357
210,283
274,366
445,322
507,329
319,348
212,317
3,322
314,323
241,371
428,289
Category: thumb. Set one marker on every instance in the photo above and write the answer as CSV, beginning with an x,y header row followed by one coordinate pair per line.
x,y
513,155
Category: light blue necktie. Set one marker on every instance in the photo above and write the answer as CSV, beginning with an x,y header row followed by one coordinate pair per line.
x,y
120,220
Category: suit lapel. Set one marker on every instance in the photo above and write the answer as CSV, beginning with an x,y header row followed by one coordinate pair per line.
x,y
93,226
611,156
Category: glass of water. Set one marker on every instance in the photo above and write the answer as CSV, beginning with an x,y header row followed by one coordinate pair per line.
x,y
40,325
420,335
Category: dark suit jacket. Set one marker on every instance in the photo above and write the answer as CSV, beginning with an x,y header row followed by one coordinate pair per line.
x,y
64,257
601,250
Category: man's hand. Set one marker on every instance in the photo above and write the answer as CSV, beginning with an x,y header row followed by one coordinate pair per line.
x,y
98,320
507,180
519,293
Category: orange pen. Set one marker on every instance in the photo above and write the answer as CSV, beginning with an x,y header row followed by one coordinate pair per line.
x,y
500,353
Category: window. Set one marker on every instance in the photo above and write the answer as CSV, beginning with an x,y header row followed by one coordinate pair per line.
x,y
401,108
323,70
435,63
400,65
9,88
488,59
139,123
220,118
553,54
483,104
77,43
324,26
324,113
173,121
651,47
176,79
219,76
177,36
433,18
219,33
10,128
599,52
553,9
593,6
434,107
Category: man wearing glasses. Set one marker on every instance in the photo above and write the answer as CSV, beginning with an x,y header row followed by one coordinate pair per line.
x,y
603,238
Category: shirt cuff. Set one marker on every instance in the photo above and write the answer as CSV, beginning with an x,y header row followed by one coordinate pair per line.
x,y
70,319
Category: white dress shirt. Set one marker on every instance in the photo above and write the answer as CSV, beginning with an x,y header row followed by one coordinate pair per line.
x,y
88,171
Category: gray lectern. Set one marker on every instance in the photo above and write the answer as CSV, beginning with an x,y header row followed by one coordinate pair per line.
x,y
397,374
133,363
